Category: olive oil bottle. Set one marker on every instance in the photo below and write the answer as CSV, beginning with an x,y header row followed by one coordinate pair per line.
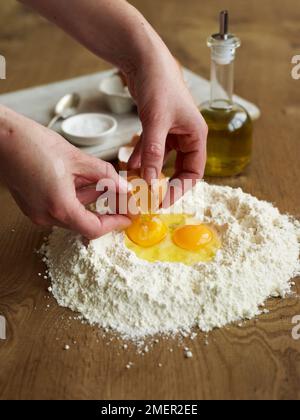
x,y
230,126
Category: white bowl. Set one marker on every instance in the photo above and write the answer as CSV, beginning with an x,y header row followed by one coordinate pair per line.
x,y
89,129
117,95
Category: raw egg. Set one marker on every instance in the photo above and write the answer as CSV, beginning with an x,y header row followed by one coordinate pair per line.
x,y
144,198
147,230
172,238
193,237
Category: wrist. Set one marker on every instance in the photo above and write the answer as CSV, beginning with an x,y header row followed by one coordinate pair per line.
x,y
143,49
5,126
8,131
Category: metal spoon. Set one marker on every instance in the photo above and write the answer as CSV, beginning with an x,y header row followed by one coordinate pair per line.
x,y
65,107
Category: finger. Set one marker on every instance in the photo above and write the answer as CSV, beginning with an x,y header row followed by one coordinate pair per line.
x,y
192,163
136,157
88,195
153,151
189,168
96,169
54,222
112,223
169,148
91,225
81,182
191,157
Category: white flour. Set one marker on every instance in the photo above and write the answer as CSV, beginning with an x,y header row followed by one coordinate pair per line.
x,y
111,287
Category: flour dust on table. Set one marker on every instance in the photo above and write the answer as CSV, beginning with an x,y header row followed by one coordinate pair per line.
x,y
112,288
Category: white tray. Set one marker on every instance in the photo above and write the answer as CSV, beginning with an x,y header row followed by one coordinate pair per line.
x,y
38,103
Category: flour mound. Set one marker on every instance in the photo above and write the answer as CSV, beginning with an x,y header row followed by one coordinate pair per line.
x,y
109,286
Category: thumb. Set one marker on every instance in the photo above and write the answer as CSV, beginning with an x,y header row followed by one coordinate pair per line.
x,y
153,150
96,170
91,225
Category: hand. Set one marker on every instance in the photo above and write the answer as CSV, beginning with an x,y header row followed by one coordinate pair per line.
x,y
169,116
170,120
51,180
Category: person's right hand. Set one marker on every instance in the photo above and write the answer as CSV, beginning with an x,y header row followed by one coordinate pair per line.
x,y
170,120
51,180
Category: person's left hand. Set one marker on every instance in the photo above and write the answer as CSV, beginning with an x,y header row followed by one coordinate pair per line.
x,y
52,181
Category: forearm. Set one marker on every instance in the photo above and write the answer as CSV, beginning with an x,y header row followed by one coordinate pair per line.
x,y
112,29
9,140
8,128
15,133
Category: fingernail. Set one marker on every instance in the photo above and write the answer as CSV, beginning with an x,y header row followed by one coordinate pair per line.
x,y
149,174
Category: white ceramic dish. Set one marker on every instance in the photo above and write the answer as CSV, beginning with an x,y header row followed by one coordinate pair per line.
x,y
89,129
117,97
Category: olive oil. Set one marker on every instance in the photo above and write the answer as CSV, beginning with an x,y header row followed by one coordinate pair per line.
x,y
229,140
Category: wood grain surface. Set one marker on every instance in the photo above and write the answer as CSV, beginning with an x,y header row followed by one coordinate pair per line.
x,y
259,360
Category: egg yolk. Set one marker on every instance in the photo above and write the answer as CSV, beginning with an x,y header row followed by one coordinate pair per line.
x,y
192,237
177,238
147,230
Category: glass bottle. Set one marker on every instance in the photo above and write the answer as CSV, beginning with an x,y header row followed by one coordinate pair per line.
x,y
230,126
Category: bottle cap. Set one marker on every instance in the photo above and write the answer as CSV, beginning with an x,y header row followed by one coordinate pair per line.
x,y
223,44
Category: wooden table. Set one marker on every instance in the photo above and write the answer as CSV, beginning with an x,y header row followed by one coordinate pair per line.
x,y
259,360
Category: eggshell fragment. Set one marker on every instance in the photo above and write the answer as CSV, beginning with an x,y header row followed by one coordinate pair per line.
x,y
148,198
126,152
124,156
